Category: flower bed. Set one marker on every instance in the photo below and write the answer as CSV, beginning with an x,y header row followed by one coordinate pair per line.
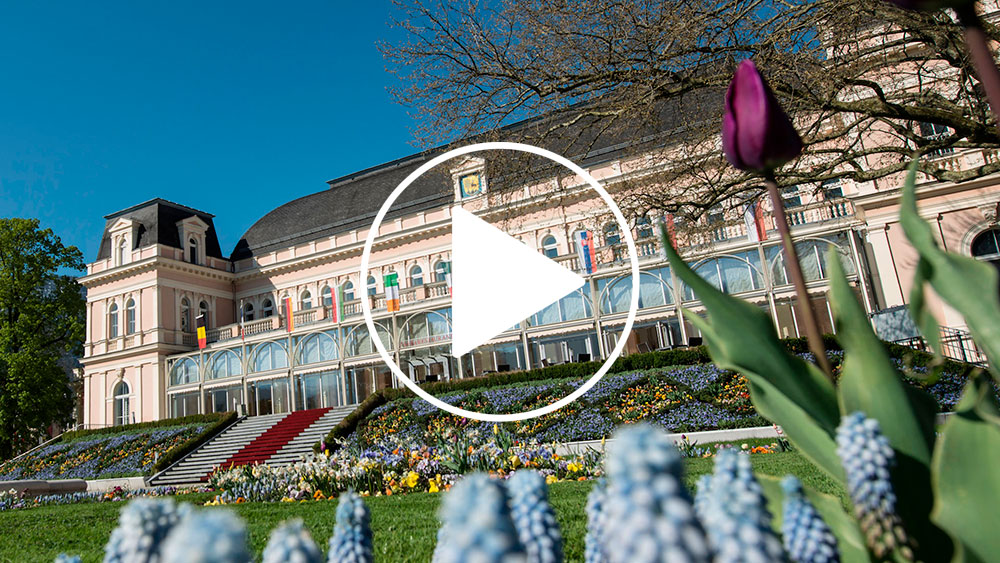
x,y
680,399
12,500
96,456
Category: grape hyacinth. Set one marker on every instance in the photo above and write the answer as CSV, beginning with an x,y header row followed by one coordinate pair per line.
x,y
477,524
291,543
594,550
807,538
733,509
143,524
868,458
216,536
534,518
648,514
352,536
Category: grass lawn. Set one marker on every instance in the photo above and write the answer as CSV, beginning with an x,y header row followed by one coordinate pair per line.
x,y
405,526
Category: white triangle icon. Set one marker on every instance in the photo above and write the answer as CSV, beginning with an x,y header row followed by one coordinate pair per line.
x,y
497,281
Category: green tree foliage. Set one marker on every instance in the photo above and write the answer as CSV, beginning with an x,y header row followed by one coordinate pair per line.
x,y
42,319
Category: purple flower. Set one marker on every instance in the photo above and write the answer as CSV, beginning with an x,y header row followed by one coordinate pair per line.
x,y
756,133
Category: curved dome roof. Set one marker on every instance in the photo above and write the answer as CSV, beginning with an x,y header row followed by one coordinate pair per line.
x,y
351,202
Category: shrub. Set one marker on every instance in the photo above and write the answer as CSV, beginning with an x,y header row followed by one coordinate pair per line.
x,y
223,421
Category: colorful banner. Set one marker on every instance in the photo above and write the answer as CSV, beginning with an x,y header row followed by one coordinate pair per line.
x,y
671,228
338,304
585,251
202,333
289,321
391,281
753,216
447,274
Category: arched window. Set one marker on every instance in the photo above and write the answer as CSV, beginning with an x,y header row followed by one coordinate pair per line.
x,y
643,227
123,252
986,247
327,296
248,311
193,250
224,364
348,291
372,286
416,276
268,356
121,394
307,300
203,311
549,247
611,234
185,315
184,371
440,271
130,316
266,308
318,347
113,321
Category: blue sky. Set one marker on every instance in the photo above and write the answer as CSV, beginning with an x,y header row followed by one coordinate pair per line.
x,y
230,107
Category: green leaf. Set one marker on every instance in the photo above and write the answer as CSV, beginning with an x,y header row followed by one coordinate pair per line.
x,y
968,285
869,383
850,540
966,479
924,320
784,388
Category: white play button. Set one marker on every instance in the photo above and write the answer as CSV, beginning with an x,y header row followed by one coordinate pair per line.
x,y
497,281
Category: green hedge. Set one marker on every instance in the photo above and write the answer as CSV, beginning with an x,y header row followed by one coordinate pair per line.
x,y
649,360
222,421
130,428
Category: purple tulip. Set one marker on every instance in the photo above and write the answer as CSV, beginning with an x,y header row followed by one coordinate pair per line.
x,y
756,133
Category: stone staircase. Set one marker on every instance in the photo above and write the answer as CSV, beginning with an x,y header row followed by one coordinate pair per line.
x,y
272,439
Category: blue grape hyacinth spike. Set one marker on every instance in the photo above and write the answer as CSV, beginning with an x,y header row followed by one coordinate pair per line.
x,y
477,524
210,536
534,518
648,513
734,512
868,459
807,538
593,542
143,525
291,542
352,536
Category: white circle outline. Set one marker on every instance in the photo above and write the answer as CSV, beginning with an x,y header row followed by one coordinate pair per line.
x,y
366,308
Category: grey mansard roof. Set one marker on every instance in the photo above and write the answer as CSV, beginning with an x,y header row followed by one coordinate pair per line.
x,y
157,220
352,201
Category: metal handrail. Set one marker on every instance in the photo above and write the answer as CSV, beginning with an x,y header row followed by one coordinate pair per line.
x,y
38,447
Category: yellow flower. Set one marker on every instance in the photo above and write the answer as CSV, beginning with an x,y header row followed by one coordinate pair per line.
x,y
496,429
433,488
412,479
574,467
550,479
514,460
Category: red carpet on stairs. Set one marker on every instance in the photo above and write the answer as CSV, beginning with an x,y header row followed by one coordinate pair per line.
x,y
275,438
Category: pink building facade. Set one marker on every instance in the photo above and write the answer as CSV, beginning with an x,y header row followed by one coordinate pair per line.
x,y
160,267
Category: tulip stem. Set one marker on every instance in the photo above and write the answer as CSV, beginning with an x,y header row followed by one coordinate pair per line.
x,y
805,306
982,56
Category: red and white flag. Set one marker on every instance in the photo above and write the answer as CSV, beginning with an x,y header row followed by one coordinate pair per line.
x,y
753,216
